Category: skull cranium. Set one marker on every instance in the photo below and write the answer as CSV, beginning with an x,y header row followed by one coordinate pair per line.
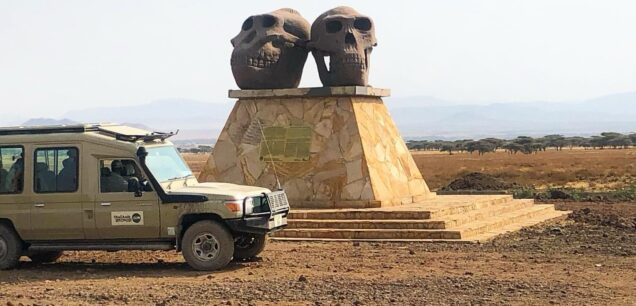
x,y
270,52
347,38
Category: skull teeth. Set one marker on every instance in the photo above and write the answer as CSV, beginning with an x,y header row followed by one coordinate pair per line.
x,y
262,61
349,60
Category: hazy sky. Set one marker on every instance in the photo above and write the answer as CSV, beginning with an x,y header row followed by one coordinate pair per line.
x,y
61,55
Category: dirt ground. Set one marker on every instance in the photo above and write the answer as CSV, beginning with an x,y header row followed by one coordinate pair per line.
x,y
588,259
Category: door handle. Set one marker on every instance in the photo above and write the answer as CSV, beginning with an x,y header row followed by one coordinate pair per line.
x,y
39,205
105,204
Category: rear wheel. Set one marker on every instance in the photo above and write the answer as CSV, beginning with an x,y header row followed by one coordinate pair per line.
x,y
248,246
45,257
207,246
10,248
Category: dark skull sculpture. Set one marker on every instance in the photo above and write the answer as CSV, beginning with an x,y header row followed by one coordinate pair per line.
x,y
347,38
270,52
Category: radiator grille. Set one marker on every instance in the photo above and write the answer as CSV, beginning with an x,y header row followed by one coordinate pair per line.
x,y
277,201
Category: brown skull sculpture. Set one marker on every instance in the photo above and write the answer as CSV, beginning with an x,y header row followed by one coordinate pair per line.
x,y
347,38
270,52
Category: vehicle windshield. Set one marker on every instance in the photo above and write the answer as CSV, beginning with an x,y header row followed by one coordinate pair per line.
x,y
166,164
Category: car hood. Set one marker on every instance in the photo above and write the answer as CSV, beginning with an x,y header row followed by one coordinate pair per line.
x,y
224,191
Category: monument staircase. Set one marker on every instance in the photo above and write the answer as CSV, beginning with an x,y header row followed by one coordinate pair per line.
x,y
460,218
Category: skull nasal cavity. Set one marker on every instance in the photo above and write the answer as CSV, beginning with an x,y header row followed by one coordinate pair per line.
x,y
350,39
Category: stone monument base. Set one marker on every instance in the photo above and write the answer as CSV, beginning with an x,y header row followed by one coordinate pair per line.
x,y
450,218
331,147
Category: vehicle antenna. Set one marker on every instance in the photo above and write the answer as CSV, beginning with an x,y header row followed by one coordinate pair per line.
x,y
269,152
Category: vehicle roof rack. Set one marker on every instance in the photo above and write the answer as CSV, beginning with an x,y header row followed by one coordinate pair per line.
x,y
119,132
152,136
47,129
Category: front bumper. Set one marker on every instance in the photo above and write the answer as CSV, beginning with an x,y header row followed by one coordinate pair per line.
x,y
273,220
260,224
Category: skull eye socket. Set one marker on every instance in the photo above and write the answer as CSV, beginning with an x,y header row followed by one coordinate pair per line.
x,y
362,24
268,21
333,26
247,24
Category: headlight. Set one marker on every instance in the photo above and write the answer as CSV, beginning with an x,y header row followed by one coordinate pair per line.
x,y
249,206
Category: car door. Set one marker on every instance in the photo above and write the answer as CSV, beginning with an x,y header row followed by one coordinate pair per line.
x,y
120,212
56,212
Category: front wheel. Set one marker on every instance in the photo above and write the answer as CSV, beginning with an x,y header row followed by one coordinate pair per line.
x,y
247,246
207,246
10,248
45,257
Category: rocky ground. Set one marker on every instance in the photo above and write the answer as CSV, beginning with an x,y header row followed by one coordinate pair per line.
x,y
588,259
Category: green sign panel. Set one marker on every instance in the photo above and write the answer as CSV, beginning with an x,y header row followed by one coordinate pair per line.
x,y
286,143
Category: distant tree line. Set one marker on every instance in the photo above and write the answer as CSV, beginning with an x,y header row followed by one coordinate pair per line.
x,y
526,144
197,149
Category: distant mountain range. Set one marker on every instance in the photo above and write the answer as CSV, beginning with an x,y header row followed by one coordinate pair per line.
x,y
429,118
417,117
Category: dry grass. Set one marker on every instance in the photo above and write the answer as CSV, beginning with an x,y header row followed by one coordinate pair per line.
x,y
586,169
196,161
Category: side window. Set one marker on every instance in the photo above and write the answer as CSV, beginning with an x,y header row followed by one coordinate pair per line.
x,y
120,176
11,170
56,170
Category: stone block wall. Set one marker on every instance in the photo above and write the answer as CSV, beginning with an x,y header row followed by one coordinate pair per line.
x,y
352,154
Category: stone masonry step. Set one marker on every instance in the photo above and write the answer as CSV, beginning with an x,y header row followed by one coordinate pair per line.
x,y
498,222
551,216
442,223
435,207
461,232
451,221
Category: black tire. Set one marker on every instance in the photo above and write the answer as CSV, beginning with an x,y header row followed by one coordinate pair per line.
x,y
207,246
45,257
10,248
248,246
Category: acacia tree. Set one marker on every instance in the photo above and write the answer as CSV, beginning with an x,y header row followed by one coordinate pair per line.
x,y
554,141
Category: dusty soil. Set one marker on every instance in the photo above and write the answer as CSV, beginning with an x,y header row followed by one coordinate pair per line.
x,y
584,260
478,181
585,169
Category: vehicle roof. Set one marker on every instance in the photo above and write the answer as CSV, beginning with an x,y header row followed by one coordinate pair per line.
x,y
81,132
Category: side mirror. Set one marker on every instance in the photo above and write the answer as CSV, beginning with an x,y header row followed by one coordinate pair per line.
x,y
145,185
135,186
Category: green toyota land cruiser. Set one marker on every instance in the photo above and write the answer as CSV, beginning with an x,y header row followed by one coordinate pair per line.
x,y
112,187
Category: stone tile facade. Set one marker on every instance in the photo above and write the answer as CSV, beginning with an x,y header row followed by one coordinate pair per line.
x,y
354,156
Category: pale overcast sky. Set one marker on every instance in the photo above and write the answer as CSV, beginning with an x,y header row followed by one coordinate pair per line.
x,y
61,55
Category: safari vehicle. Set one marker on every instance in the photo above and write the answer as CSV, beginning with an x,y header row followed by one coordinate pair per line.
x,y
112,187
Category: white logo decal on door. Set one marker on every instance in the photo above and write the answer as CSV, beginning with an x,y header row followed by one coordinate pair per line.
x,y
127,218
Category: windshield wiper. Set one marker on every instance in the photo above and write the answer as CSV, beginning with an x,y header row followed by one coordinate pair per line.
x,y
179,177
174,179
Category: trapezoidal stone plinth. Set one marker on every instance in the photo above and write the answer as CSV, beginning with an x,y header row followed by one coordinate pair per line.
x,y
332,147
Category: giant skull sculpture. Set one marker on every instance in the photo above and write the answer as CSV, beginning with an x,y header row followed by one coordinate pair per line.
x,y
269,52
347,38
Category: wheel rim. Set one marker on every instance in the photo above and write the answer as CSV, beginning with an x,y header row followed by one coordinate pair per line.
x,y
4,249
205,246
244,242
